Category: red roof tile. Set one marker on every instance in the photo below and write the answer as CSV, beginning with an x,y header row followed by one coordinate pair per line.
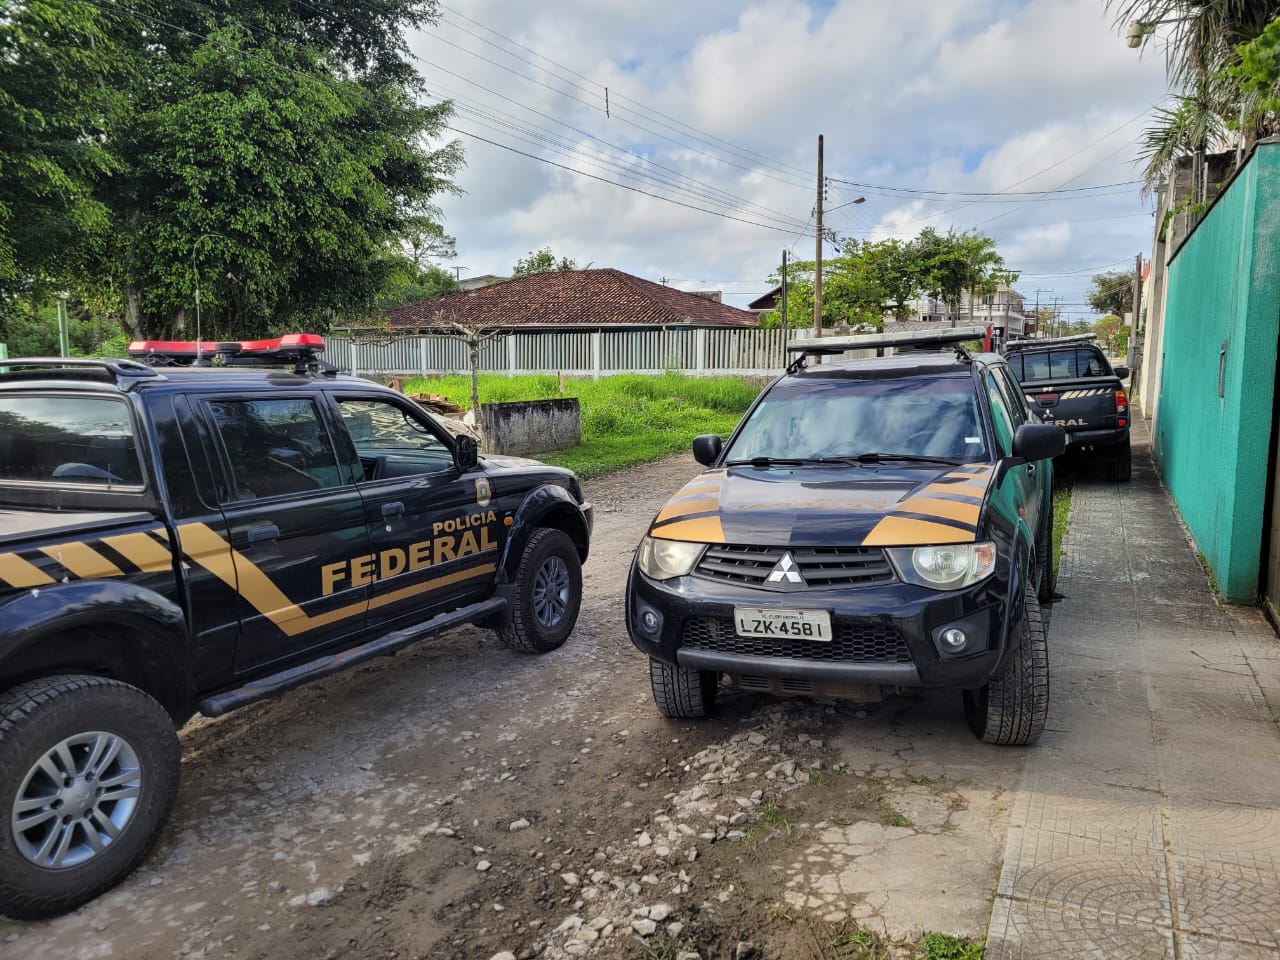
x,y
574,298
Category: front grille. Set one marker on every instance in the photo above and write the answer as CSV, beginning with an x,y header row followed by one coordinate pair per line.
x,y
854,642
820,566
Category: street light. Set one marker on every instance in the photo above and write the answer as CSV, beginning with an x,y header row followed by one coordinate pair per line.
x,y
859,200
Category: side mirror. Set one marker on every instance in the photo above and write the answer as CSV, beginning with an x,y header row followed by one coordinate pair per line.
x,y
1120,372
1039,441
706,448
466,452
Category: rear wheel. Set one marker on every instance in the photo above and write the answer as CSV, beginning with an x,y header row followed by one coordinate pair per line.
x,y
1044,557
88,775
1012,707
1122,463
682,694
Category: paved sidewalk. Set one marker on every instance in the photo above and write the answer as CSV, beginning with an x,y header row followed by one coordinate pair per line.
x,y
1147,820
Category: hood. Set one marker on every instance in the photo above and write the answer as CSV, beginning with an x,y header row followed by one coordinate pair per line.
x,y
870,505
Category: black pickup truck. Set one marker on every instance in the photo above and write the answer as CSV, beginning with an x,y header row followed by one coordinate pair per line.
x,y
1068,381
180,539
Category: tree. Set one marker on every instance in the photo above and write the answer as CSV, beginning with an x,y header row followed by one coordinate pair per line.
x,y
407,283
1111,292
542,261
269,154
954,264
1203,49
1109,330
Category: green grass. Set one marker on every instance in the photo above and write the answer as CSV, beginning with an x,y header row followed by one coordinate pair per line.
x,y
942,946
1061,510
626,419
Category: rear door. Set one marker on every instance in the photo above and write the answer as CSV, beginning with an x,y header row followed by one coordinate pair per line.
x,y
435,533
291,514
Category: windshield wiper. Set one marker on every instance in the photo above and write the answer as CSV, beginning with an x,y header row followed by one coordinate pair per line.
x,y
910,457
786,461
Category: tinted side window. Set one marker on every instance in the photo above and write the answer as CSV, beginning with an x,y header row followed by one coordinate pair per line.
x,y
382,430
81,440
1090,364
1013,396
275,447
1001,419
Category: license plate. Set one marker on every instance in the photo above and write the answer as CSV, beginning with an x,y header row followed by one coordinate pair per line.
x,y
783,624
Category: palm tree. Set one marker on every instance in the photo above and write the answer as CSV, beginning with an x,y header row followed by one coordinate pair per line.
x,y
1200,49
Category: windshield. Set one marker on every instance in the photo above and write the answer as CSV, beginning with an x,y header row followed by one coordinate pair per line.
x,y
847,418
86,441
1058,364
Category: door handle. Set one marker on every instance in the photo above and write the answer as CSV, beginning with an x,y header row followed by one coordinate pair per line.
x,y
268,531
1031,468
395,509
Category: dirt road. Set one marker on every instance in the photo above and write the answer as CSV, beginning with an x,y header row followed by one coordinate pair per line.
x,y
460,801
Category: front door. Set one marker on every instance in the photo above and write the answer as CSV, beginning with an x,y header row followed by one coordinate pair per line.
x,y
291,512
436,534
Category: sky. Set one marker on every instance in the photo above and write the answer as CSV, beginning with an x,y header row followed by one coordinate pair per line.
x,y
701,168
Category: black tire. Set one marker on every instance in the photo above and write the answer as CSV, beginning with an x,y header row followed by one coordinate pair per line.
x,y
1122,463
82,715
682,694
1044,557
1012,707
548,594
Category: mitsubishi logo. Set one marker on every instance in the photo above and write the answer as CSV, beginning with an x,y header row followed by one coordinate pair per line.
x,y
785,571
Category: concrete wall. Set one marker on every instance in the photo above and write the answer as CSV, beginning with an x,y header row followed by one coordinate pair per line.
x,y
530,426
1216,409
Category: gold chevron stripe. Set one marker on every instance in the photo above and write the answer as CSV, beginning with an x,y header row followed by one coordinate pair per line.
x,y
82,560
20,574
950,509
701,530
907,532
142,551
681,508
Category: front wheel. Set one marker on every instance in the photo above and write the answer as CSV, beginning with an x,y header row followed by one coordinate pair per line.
x,y
548,594
682,694
1012,707
88,775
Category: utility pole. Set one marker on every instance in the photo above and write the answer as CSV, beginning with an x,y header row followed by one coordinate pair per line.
x,y
1040,290
784,288
1137,307
817,259
64,328
1055,321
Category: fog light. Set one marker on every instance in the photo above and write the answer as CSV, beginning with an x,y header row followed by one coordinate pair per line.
x,y
650,621
953,639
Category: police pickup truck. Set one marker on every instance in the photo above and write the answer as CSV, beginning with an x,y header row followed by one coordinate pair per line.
x,y
1069,382
178,537
870,524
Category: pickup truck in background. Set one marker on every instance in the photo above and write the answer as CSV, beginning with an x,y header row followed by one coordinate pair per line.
x,y
1068,381
182,538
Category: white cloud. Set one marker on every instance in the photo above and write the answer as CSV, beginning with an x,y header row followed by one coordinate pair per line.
x,y
975,97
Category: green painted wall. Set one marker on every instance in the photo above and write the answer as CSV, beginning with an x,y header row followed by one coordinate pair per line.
x,y
1224,284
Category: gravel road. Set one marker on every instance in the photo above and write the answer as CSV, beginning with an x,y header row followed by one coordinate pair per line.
x,y
461,801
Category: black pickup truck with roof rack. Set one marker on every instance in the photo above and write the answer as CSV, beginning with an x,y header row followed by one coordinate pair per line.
x,y
1069,381
871,524
216,525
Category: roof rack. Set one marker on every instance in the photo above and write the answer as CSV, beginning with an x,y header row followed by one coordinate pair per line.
x,y
298,350
1029,343
102,369
826,346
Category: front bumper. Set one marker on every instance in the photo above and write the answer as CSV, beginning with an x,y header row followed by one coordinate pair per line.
x,y
885,634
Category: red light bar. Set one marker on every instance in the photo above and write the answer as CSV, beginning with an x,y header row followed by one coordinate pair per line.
x,y
296,349
179,348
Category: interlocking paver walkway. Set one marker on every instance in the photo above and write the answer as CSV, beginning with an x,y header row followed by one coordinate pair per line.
x,y
1147,820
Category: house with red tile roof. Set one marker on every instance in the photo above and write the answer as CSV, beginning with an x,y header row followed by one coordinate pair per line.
x,y
569,300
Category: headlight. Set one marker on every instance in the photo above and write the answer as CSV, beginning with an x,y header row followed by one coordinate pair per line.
x,y
948,567
664,559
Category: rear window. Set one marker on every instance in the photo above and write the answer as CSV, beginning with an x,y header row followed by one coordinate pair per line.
x,y
87,441
1064,364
